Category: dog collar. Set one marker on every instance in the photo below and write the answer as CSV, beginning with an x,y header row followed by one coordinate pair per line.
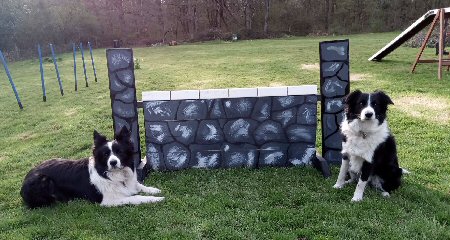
x,y
363,134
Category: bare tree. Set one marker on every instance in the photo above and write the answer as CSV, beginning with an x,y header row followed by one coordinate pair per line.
x,y
266,16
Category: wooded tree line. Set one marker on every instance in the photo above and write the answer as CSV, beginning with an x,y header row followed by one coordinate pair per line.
x,y
24,23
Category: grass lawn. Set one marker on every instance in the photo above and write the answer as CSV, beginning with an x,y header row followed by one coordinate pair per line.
x,y
283,203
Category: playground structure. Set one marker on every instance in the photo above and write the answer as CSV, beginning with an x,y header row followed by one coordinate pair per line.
x,y
54,59
431,17
225,128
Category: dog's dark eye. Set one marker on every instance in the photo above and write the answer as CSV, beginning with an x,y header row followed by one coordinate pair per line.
x,y
374,103
361,103
106,154
119,151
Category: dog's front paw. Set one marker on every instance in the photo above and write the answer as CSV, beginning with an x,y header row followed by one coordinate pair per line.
x,y
357,198
152,190
385,194
155,199
338,185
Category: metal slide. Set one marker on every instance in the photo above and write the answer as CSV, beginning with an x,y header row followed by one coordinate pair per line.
x,y
412,30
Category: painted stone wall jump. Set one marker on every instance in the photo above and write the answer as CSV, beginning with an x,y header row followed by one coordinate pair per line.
x,y
223,128
334,86
123,95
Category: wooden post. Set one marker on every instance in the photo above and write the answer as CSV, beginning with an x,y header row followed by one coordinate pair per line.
x,y
425,41
441,42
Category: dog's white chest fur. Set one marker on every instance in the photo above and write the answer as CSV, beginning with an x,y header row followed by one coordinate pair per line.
x,y
363,137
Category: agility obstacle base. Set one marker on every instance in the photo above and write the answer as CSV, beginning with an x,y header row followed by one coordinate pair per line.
x,y
240,127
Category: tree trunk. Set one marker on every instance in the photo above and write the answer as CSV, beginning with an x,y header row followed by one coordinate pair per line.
x,y
266,17
248,14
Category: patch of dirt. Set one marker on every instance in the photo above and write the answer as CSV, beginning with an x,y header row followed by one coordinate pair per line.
x,y
26,136
433,109
311,67
276,84
359,76
2,158
70,112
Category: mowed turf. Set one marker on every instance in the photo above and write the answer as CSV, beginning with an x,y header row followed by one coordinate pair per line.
x,y
269,203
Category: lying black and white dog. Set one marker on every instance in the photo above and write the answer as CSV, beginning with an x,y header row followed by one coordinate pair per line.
x,y
108,177
368,147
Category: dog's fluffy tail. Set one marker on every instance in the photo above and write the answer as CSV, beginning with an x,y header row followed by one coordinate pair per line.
x,y
142,163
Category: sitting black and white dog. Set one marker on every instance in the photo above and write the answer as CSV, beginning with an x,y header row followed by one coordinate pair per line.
x,y
368,147
108,177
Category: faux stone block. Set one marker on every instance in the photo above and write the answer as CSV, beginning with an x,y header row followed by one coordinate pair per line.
x,y
158,132
240,130
160,110
115,84
330,69
126,77
124,110
301,133
334,51
127,96
183,131
269,131
333,156
239,155
205,156
329,124
273,154
344,73
216,109
301,154
209,132
281,103
334,105
262,109
311,99
334,140
120,58
176,156
285,117
155,157
120,122
192,109
333,87
239,107
307,114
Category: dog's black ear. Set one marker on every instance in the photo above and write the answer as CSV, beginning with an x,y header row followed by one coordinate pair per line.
x,y
384,97
123,135
353,96
99,139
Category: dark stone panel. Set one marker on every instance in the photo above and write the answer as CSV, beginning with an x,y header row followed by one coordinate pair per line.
x,y
239,107
127,96
273,154
160,110
205,156
216,109
119,58
222,122
269,131
240,130
344,73
334,141
155,157
334,51
301,133
183,131
243,155
158,132
333,156
307,114
329,124
340,117
126,77
262,109
119,123
334,105
311,99
209,132
301,154
333,87
135,135
192,109
281,103
176,156
115,84
285,117
330,69
124,110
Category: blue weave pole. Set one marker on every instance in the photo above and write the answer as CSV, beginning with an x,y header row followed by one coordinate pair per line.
x,y
84,65
92,58
5,65
44,94
57,71
75,65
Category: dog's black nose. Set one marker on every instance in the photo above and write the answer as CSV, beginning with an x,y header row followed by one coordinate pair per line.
x,y
113,163
369,115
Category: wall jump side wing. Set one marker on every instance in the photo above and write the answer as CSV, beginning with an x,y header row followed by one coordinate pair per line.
x,y
334,86
123,96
